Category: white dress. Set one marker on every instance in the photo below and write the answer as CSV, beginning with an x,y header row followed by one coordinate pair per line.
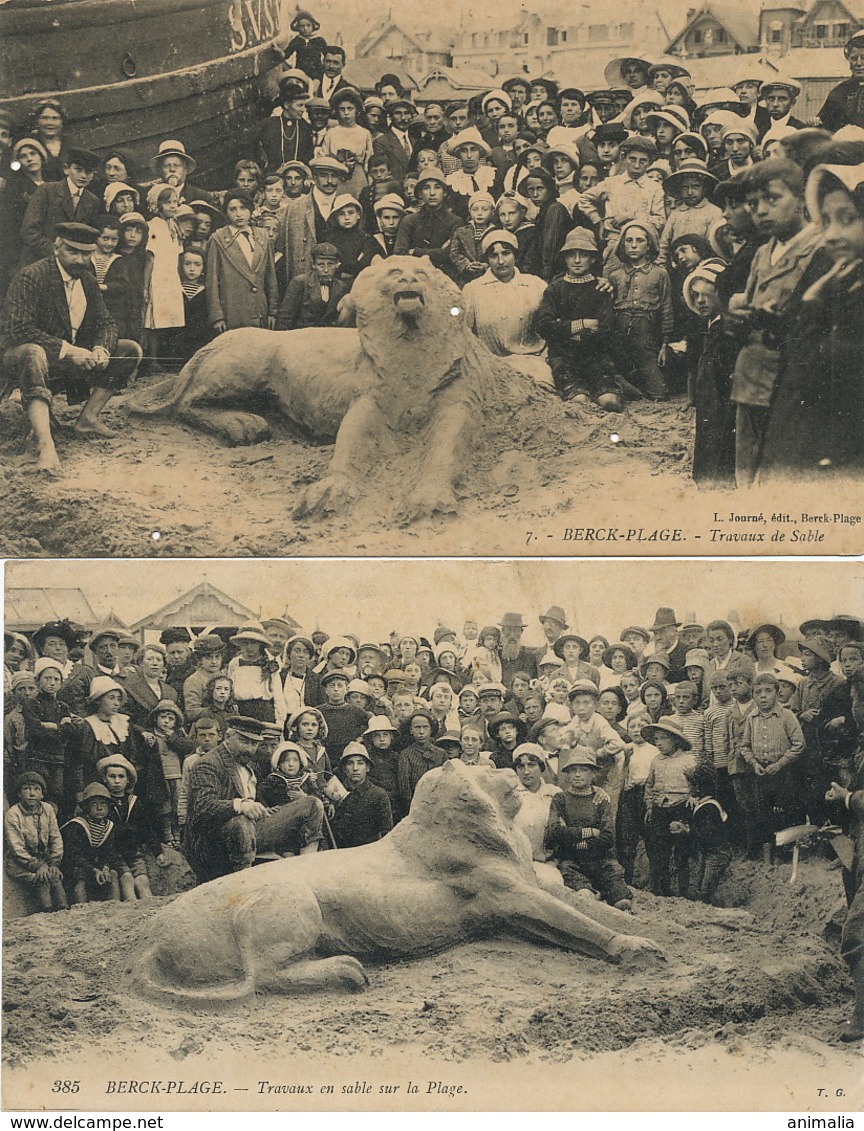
x,y
165,300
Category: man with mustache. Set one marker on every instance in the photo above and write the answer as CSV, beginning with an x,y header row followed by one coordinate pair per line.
x,y
515,657
57,336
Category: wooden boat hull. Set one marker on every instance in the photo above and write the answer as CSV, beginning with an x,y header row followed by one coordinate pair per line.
x,y
131,73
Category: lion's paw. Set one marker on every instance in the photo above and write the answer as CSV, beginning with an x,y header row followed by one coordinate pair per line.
x,y
426,501
636,953
350,974
330,495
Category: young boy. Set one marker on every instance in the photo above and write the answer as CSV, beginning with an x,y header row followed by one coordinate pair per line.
x,y
206,734
420,756
166,719
581,832
365,815
384,758
741,775
135,828
717,752
429,230
771,740
685,700
196,332
608,138
639,756
273,200
589,728
345,721
313,299
465,244
33,844
709,832
780,96
666,793
775,197
471,738
626,196
644,318
576,319
92,865
48,724
694,215
23,689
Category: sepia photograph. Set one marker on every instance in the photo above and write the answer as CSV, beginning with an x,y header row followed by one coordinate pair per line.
x,y
433,836
278,281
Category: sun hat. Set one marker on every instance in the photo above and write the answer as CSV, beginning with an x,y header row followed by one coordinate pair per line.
x,y
172,149
100,685
669,727
577,756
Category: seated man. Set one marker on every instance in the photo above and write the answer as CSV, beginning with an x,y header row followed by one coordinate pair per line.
x,y
500,307
225,826
56,332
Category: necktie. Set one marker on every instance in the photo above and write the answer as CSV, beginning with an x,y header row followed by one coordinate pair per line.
x,y
248,247
406,144
76,197
77,303
475,187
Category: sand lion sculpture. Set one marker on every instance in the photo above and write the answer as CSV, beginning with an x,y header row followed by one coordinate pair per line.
x,y
411,382
454,870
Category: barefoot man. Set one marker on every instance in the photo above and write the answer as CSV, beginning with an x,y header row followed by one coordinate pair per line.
x,y
57,335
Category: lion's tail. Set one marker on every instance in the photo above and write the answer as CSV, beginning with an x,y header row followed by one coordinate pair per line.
x,y
152,980
165,395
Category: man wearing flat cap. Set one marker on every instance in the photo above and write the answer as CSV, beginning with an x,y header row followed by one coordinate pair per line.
x,y
226,827
56,335
305,222
104,648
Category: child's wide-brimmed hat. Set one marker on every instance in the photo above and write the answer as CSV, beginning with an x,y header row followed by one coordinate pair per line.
x,y
693,167
431,174
209,645
655,658
695,141
30,777
533,751
496,96
579,239
284,748
558,646
741,128
355,750
114,190
300,166
101,685
583,687
173,149
818,647
21,679
339,642
118,760
669,727
361,687
253,633
204,206
167,707
708,271
44,664
644,98
774,631
379,723
345,200
322,722
94,790
577,756
389,200
469,136
619,647
613,70
498,721
675,116
303,14
850,177
300,639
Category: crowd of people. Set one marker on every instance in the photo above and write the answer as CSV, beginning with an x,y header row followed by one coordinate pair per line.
x,y
690,740
622,243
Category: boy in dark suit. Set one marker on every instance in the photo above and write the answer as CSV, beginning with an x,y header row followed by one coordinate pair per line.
x,y
58,202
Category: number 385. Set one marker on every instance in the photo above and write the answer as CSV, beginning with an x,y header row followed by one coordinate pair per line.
x,y
66,1086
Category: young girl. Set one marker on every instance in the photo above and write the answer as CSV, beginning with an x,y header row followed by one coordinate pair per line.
x,y
291,777
306,47
121,199
92,866
512,216
612,705
241,283
465,241
196,332
117,279
162,289
166,719
217,702
255,676
136,829
347,232
308,729
349,141
655,699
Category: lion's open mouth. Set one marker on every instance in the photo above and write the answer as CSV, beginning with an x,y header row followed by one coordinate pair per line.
x,y
408,300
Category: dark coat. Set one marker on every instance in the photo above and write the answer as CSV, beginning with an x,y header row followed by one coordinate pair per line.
x,y
428,232
303,305
844,106
363,817
240,293
51,204
214,785
141,699
714,446
36,312
273,148
390,145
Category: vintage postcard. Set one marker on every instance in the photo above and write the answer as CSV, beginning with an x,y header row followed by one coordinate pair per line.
x,y
258,963
205,386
